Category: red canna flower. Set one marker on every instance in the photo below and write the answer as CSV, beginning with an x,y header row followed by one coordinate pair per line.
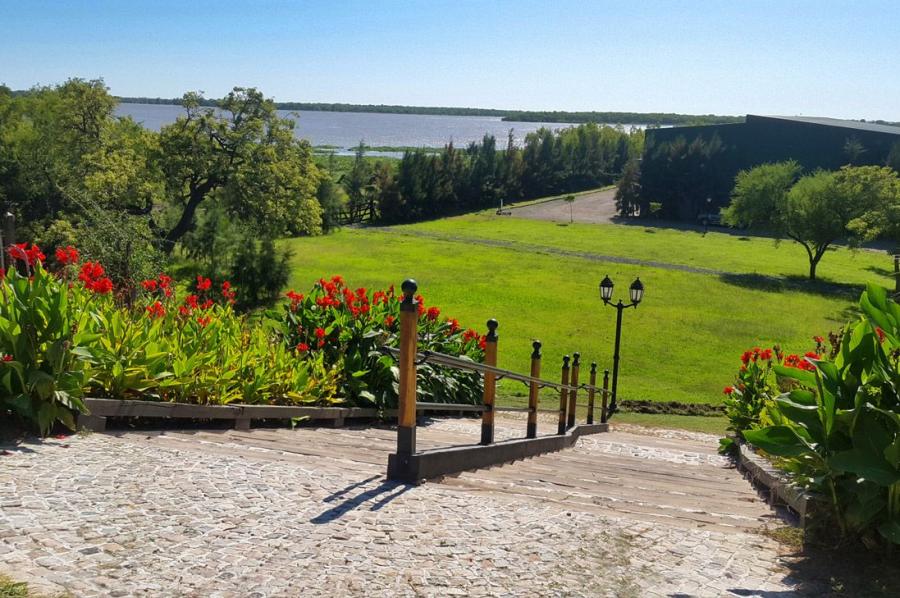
x,y
184,310
150,285
469,335
880,333
337,280
765,354
203,284
204,321
226,286
728,390
164,281
433,313
191,301
389,321
101,286
7,358
818,340
156,310
207,304
482,344
320,333
454,325
302,347
90,271
66,255
21,252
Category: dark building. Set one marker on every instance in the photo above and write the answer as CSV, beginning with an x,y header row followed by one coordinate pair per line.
x,y
683,166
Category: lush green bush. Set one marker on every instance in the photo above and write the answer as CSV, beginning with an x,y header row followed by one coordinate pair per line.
x,y
836,431
757,383
72,332
346,327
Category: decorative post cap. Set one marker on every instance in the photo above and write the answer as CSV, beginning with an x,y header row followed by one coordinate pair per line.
x,y
565,362
536,354
409,288
492,325
593,367
577,361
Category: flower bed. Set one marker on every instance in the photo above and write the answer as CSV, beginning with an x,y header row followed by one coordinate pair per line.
x,y
832,421
72,332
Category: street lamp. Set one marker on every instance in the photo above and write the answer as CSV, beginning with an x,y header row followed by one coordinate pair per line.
x,y
636,294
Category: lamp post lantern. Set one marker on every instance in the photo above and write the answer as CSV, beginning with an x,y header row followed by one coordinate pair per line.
x,y
636,294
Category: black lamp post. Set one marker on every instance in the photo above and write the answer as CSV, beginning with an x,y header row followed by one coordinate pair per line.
x,y
636,292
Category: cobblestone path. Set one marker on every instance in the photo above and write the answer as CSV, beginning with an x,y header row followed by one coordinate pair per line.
x,y
308,512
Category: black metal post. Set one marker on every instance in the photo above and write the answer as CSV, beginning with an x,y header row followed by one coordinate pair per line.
x,y
620,307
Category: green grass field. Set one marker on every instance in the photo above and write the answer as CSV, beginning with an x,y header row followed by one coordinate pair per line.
x,y
682,343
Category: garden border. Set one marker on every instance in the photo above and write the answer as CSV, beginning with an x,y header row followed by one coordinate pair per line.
x,y
101,409
779,487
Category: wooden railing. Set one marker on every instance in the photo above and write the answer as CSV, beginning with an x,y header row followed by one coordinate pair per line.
x,y
409,465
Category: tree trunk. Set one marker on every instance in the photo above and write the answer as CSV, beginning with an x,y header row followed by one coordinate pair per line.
x,y
812,268
198,194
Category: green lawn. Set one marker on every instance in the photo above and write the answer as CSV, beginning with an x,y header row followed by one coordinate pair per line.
x,y
717,250
681,344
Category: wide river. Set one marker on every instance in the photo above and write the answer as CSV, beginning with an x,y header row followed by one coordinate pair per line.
x,y
345,130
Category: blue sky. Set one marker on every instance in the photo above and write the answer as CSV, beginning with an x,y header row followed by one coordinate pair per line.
x,y
825,58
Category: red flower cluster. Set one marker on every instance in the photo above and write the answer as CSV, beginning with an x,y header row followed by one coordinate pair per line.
x,y
755,354
156,310
302,347
228,293
66,255
880,333
433,313
203,284
164,284
92,275
795,361
296,299
7,358
728,390
20,251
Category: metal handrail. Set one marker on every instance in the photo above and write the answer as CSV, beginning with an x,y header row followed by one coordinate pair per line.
x,y
466,364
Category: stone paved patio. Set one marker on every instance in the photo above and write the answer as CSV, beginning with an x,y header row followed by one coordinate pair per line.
x,y
184,514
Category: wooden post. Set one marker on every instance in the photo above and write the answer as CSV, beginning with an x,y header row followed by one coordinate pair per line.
x,y
603,414
406,410
573,394
490,384
533,389
591,392
563,395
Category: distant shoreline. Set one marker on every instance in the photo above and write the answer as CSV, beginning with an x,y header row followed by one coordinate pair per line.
x,y
555,116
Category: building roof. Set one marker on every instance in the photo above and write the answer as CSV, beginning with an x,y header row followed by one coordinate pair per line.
x,y
836,122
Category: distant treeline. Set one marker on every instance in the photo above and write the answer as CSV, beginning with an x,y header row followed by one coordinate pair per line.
x,y
629,118
633,118
426,185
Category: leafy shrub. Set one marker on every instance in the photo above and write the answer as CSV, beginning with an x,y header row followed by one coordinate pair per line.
x,y
69,333
72,332
757,383
837,430
346,327
42,370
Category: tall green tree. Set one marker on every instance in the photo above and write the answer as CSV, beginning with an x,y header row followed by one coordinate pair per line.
x,y
242,155
815,211
879,190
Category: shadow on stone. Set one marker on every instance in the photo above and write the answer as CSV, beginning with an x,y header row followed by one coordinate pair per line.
x,y
391,489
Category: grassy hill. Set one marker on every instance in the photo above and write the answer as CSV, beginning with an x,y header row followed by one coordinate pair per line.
x,y
539,279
